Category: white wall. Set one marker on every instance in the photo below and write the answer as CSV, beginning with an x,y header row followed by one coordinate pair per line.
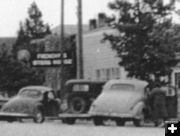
x,y
98,55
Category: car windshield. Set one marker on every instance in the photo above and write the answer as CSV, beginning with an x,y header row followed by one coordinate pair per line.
x,y
124,87
30,93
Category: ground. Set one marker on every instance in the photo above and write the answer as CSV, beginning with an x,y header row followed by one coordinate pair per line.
x,y
56,128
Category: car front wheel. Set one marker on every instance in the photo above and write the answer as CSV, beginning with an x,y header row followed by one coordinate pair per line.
x,y
39,117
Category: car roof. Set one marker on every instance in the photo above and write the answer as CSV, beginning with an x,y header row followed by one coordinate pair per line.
x,y
134,82
83,81
41,88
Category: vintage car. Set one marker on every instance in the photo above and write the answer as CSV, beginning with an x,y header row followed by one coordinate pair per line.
x,y
3,100
120,101
80,93
32,101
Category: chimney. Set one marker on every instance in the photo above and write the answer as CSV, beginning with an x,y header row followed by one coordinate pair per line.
x,y
92,24
102,20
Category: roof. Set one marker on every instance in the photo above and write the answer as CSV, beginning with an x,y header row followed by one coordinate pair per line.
x,y
134,82
69,29
83,81
41,88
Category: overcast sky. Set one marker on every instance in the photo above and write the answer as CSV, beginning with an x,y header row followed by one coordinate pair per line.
x,y
14,11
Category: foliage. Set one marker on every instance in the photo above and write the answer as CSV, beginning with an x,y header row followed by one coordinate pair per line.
x,y
32,28
16,71
14,74
147,39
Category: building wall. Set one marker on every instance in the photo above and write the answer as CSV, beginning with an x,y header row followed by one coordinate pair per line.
x,y
100,61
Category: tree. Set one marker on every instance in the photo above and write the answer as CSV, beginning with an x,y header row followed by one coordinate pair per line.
x,y
147,39
14,75
33,28
23,51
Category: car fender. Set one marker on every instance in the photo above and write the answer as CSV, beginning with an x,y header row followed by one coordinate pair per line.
x,y
38,106
137,110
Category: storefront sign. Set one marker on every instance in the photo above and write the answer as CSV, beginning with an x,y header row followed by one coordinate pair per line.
x,y
52,59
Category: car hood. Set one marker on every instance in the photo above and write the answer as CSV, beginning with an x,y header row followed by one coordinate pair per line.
x,y
115,102
20,105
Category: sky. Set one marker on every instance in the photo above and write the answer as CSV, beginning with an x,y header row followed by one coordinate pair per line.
x,y
14,11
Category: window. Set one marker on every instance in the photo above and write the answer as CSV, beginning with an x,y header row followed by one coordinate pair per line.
x,y
117,73
81,88
30,93
98,74
124,87
107,74
103,73
113,73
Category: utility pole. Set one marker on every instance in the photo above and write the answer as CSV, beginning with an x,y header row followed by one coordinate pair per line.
x,y
62,44
79,43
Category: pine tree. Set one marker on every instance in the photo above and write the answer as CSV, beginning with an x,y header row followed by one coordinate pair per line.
x,y
32,28
34,25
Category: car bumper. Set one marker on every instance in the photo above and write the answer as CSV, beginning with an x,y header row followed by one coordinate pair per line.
x,y
114,116
9,115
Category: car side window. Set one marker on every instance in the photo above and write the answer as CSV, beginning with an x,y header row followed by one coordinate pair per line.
x,y
80,87
30,93
125,87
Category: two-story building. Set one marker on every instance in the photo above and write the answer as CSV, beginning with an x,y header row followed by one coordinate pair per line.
x,y
100,61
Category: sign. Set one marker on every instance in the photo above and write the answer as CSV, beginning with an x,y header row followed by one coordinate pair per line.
x,y
52,59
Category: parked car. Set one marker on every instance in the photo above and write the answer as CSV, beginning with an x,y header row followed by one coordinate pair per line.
x,y
34,101
3,100
80,93
120,101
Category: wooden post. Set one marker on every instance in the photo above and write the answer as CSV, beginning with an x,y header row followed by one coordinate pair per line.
x,y
79,43
62,44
